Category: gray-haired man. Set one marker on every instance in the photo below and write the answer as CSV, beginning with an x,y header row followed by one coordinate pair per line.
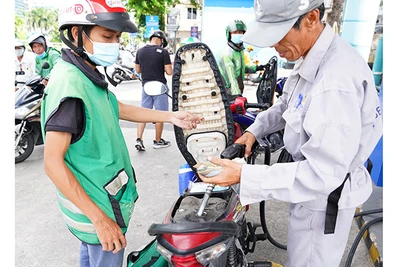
x,y
332,119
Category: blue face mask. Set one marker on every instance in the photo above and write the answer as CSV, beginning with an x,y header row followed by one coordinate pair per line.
x,y
104,54
42,55
236,38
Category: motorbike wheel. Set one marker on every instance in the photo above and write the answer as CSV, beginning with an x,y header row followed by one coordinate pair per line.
x,y
285,156
116,76
24,148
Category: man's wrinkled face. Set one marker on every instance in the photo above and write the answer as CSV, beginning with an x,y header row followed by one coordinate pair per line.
x,y
297,42
293,45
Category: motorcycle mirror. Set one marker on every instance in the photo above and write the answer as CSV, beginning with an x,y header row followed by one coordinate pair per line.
x,y
45,65
154,88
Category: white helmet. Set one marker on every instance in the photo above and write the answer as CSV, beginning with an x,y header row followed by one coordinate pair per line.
x,y
110,14
18,43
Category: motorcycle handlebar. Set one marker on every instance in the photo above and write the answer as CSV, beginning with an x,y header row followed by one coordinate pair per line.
x,y
257,105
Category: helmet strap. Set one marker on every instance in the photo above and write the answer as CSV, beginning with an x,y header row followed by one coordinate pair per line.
x,y
236,47
81,51
77,49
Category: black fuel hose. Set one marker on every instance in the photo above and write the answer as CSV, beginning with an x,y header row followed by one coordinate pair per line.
x,y
358,238
265,229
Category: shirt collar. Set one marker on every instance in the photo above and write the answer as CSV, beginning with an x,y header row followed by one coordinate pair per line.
x,y
310,65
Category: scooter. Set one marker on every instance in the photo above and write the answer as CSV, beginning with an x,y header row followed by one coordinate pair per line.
x,y
122,73
28,132
206,226
18,84
244,114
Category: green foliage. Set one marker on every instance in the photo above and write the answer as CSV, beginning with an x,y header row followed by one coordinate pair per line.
x,y
41,18
142,8
160,8
19,23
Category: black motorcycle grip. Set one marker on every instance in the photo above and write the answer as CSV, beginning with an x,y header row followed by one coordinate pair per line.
x,y
257,105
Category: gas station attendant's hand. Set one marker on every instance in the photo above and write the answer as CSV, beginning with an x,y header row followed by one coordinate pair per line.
x,y
230,174
247,139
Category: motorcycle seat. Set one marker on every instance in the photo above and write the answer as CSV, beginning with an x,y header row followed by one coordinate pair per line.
x,y
197,87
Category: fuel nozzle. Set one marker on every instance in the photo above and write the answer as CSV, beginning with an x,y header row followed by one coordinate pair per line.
x,y
206,197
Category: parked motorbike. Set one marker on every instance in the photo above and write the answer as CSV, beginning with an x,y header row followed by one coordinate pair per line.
x,y
209,227
122,73
28,132
19,85
244,114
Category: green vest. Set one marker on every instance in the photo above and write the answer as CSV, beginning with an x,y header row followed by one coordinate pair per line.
x,y
232,68
52,57
99,159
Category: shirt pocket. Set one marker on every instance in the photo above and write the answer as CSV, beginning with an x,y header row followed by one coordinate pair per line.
x,y
293,120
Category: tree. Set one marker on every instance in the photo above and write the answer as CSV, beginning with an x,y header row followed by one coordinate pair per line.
x,y
336,13
19,23
40,18
160,8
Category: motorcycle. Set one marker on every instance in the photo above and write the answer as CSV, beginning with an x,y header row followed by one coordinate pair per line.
x,y
28,132
122,73
18,84
207,225
244,113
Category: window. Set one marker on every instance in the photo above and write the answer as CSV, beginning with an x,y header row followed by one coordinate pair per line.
x,y
192,13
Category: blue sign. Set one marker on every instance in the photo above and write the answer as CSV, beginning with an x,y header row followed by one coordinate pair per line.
x,y
194,31
152,21
150,30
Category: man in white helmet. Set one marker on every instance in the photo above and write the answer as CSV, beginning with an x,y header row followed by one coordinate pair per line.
x,y
85,153
24,64
331,116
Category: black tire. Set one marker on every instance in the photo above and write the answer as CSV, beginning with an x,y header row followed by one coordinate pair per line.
x,y
284,156
116,76
25,147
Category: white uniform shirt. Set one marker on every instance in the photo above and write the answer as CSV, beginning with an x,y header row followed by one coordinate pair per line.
x,y
332,118
27,64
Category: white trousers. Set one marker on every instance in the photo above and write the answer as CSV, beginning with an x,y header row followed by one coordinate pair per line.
x,y
308,246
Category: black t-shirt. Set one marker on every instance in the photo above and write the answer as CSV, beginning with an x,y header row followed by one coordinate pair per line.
x,y
69,117
152,60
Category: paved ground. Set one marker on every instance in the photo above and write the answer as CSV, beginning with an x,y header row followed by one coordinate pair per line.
x,y
43,240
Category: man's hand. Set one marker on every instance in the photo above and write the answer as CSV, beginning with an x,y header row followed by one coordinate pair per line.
x,y
229,175
247,139
185,120
110,234
44,82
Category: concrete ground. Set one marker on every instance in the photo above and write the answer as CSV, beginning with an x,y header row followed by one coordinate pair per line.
x,y
42,239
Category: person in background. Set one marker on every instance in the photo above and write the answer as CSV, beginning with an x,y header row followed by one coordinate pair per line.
x,y
247,57
85,154
24,64
331,126
152,61
231,59
43,53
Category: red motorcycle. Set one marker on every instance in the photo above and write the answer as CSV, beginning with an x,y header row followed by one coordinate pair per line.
x,y
207,225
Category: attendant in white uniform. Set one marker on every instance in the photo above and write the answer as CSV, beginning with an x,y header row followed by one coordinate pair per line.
x,y
24,64
331,116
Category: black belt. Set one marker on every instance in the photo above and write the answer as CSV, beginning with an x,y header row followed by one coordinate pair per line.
x,y
332,208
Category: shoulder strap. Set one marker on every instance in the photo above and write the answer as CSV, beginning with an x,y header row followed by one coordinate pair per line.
x,y
332,208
